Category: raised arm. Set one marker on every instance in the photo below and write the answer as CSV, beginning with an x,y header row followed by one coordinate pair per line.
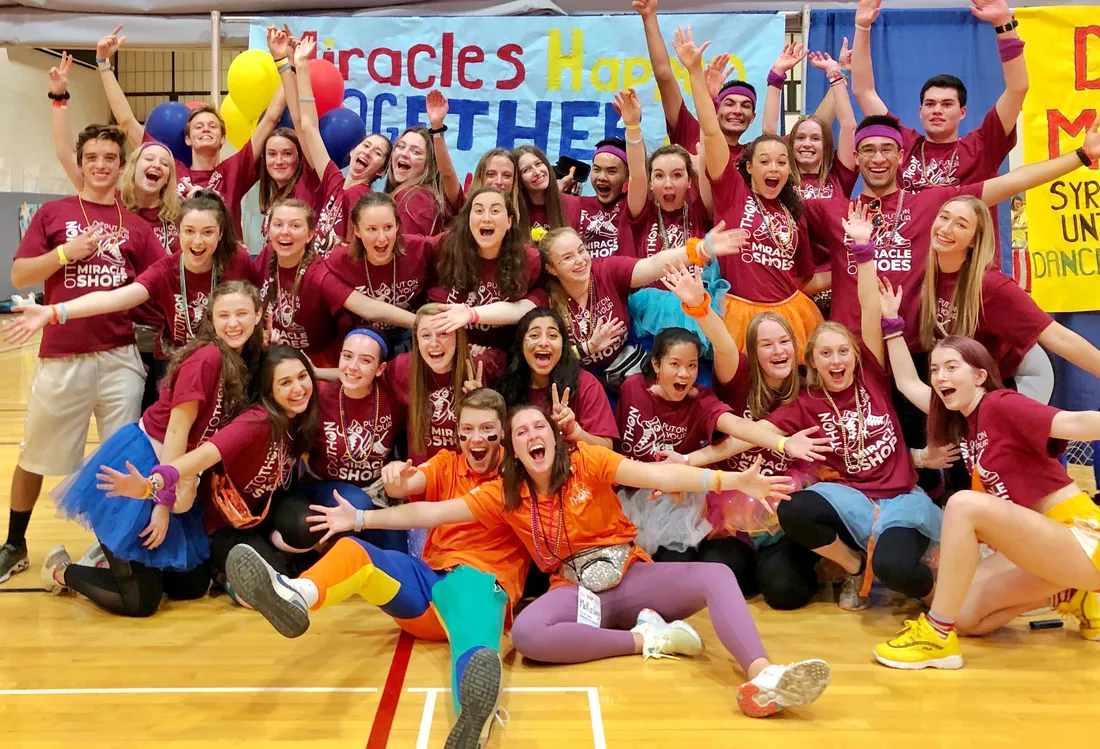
x,y
308,127
120,108
688,288
630,109
901,361
714,141
841,107
1071,347
667,85
36,317
269,121
283,49
863,74
1028,176
702,184
378,311
791,55
860,230
437,106
61,130
1011,101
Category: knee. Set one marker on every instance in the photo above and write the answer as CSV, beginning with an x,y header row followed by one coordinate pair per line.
x,y
905,575
141,604
737,556
529,638
968,504
787,592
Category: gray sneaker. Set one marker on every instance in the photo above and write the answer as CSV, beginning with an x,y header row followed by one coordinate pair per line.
x,y
480,699
13,559
56,559
850,598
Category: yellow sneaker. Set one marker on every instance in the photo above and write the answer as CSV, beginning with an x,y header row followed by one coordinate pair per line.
x,y
919,645
1084,606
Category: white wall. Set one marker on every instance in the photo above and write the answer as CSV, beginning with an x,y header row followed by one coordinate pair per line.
x,y
27,161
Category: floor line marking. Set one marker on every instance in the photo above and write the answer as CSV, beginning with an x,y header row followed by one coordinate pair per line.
x,y
545,690
184,690
426,720
597,718
391,693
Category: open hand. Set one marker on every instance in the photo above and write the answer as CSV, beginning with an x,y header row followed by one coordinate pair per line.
x,y
34,318
629,108
716,73
791,55
687,287
437,107
157,529
802,446
118,484
856,225
691,56
332,520
891,298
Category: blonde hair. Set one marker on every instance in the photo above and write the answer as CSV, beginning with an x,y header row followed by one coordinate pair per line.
x,y
419,408
828,148
813,379
967,298
763,399
559,300
168,199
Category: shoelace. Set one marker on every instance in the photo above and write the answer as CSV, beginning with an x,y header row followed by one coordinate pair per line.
x,y
907,628
653,649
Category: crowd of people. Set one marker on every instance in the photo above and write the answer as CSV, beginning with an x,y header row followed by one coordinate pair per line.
x,y
719,376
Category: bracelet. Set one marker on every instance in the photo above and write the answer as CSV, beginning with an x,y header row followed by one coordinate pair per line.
x,y
474,316
1084,156
360,520
782,445
710,245
53,314
62,313
59,103
637,142
1007,27
103,61
632,127
58,97
281,60
106,68
776,80
863,28
437,130
60,250
310,99
166,497
863,252
706,475
148,489
718,485
698,313
577,351
892,327
693,252
169,475
837,79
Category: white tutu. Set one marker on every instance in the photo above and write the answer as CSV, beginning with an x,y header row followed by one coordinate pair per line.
x,y
663,522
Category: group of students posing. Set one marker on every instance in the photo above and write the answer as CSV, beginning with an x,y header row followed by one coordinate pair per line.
x,y
556,380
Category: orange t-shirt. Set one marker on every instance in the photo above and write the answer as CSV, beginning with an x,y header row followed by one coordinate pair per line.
x,y
593,514
493,550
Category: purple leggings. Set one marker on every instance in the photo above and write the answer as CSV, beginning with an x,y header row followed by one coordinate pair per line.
x,y
547,630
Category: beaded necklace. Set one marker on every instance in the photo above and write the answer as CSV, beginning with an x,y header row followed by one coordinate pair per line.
x,y
285,319
785,238
861,431
685,222
183,293
536,526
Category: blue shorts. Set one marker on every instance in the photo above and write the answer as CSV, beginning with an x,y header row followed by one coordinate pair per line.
x,y
911,510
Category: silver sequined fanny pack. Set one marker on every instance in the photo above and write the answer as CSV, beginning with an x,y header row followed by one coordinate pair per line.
x,y
597,569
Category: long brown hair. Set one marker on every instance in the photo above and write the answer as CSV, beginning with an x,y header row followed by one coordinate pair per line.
x,y
208,200
967,298
373,200
514,196
307,257
553,202
762,399
299,431
420,415
460,265
789,196
238,368
813,380
828,148
270,192
946,427
429,178
514,474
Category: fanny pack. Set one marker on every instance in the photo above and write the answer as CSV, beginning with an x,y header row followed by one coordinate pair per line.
x,y
597,569
628,362
232,505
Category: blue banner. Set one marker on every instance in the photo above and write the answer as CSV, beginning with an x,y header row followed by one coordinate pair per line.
x,y
514,80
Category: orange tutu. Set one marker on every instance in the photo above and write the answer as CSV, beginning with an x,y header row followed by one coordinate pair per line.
x,y
798,309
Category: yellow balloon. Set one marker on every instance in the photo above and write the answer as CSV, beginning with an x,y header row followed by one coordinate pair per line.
x,y
238,128
252,80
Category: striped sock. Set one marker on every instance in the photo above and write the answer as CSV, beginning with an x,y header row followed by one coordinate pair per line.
x,y
943,626
1063,597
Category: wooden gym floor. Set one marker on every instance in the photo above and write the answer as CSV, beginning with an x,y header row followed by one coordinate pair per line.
x,y
210,674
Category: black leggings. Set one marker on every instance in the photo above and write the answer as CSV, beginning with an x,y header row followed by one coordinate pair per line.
x,y
729,550
224,539
810,520
133,589
787,574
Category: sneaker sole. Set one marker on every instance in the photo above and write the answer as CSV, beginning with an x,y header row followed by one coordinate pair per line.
x,y
252,582
480,696
950,663
21,566
801,684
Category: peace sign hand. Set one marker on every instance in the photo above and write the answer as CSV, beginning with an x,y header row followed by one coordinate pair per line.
x,y
476,377
59,75
562,414
332,520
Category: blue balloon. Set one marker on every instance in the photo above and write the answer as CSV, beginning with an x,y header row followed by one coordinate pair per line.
x,y
341,130
285,120
167,123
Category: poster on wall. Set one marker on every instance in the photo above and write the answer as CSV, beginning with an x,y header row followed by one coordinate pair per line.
x,y
26,213
1063,217
515,80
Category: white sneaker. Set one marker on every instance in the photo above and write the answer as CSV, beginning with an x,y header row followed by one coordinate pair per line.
x,y
56,559
661,640
778,687
258,585
649,616
850,596
479,695
93,557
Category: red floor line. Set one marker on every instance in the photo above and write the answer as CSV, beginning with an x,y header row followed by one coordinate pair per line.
x,y
391,692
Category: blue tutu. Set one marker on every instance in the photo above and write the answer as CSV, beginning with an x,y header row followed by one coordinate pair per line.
x,y
911,510
653,310
118,521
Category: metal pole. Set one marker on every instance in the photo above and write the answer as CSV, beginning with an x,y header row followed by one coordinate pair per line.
x,y
804,63
216,58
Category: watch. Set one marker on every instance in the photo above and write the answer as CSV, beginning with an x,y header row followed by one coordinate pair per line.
x,y
1007,27
437,130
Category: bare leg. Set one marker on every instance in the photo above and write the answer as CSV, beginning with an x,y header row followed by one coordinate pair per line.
x,y
25,488
842,554
1001,591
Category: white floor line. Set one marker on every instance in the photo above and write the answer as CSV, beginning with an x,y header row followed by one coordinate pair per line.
x,y
426,719
186,690
597,718
512,689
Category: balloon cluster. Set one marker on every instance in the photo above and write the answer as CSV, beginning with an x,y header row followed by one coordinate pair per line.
x,y
253,80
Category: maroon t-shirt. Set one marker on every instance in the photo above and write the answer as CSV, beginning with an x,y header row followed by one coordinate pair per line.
x,y
766,270
608,287
306,320
330,203
124,251
255,463
488,292
1008,444
883,469
589,403
352,444
419,211
839,184
166,232
162,281
199,378
348,198
1009,323
310,189
399,282
735,394
901,249
680,226
536,214
687,133
975,157
231,179
605,229
649,424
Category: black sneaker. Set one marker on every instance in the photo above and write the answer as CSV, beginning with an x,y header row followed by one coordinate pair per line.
x,y
479,695
256,583
13,559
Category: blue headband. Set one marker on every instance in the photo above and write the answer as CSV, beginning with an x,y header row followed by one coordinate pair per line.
x,y
377,339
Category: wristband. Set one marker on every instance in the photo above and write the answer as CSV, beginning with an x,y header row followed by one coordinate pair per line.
x,y
166,497
1084,156
106,68
783,445
863,252
1007,27
837,79
53,314
706,476
892,327
710,245
637,142
59,103
148,489
103,61
632,127
698,313
474,316
281,60
60,250
693,252
863,28
437,130
1010,48
776,80
310,99
169,475
360,520
58,97
62,314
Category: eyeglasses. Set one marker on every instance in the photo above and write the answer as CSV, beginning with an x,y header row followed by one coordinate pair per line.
x,y
888,149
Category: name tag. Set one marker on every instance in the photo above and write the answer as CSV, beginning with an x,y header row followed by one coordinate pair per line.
x,y
588,607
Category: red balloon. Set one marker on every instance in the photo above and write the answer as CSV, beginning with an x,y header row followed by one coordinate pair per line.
x,y
193,104
328,85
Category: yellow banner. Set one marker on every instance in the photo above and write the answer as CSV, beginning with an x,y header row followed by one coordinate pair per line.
x,y
1063,217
